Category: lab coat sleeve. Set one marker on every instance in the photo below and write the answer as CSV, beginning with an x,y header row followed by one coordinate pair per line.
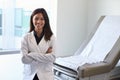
x,y
24,51
45,57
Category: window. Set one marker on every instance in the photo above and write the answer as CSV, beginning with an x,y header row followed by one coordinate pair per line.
x,y
0,21
14,20
21,21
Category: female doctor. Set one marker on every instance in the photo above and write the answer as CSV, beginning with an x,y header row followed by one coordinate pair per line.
x,y
38,48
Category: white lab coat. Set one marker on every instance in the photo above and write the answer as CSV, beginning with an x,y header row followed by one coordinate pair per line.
x,y
35,58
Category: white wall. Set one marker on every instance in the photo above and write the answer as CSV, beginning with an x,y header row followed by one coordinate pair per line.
x,y
97,8
74,16
71,25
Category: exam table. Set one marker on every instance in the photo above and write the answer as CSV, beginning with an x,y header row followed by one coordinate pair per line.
x,y
98,56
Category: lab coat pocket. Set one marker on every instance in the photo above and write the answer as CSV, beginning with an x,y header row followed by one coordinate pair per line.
x,y
27,69
48,68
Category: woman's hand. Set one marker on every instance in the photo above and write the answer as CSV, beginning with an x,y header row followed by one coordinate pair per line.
x,y
49,50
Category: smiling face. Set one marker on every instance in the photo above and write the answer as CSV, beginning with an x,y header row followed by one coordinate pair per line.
x,y
38,22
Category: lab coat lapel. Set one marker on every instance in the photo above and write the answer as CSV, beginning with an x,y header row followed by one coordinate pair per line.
x,y
33,41
43,45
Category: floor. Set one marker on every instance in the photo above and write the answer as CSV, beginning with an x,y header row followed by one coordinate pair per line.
x,y
11,67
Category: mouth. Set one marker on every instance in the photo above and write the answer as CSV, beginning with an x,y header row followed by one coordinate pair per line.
x,y
39,26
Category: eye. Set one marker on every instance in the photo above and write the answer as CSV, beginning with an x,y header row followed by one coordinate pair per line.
x,y
42,19
36,18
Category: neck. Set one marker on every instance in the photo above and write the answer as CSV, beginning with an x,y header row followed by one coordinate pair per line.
x,y
39,33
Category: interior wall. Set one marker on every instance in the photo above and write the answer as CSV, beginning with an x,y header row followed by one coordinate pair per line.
x,y
71,26
97,8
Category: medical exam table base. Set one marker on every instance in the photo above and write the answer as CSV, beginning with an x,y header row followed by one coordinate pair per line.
x,y
71,75
62,76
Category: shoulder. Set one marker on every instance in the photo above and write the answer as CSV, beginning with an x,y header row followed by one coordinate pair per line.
x,y
53,37
52,40
27,35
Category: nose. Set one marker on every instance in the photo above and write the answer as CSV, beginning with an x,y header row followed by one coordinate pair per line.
x,y
38,21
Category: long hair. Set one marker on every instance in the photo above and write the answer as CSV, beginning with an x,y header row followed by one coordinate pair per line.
x,y
47,30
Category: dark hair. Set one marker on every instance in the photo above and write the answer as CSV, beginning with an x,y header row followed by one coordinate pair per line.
x,y
47,30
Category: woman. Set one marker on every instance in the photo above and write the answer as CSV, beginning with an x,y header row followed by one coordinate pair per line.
x,y
38,48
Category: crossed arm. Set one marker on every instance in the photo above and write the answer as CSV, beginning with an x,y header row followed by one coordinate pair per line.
x,y
49,50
